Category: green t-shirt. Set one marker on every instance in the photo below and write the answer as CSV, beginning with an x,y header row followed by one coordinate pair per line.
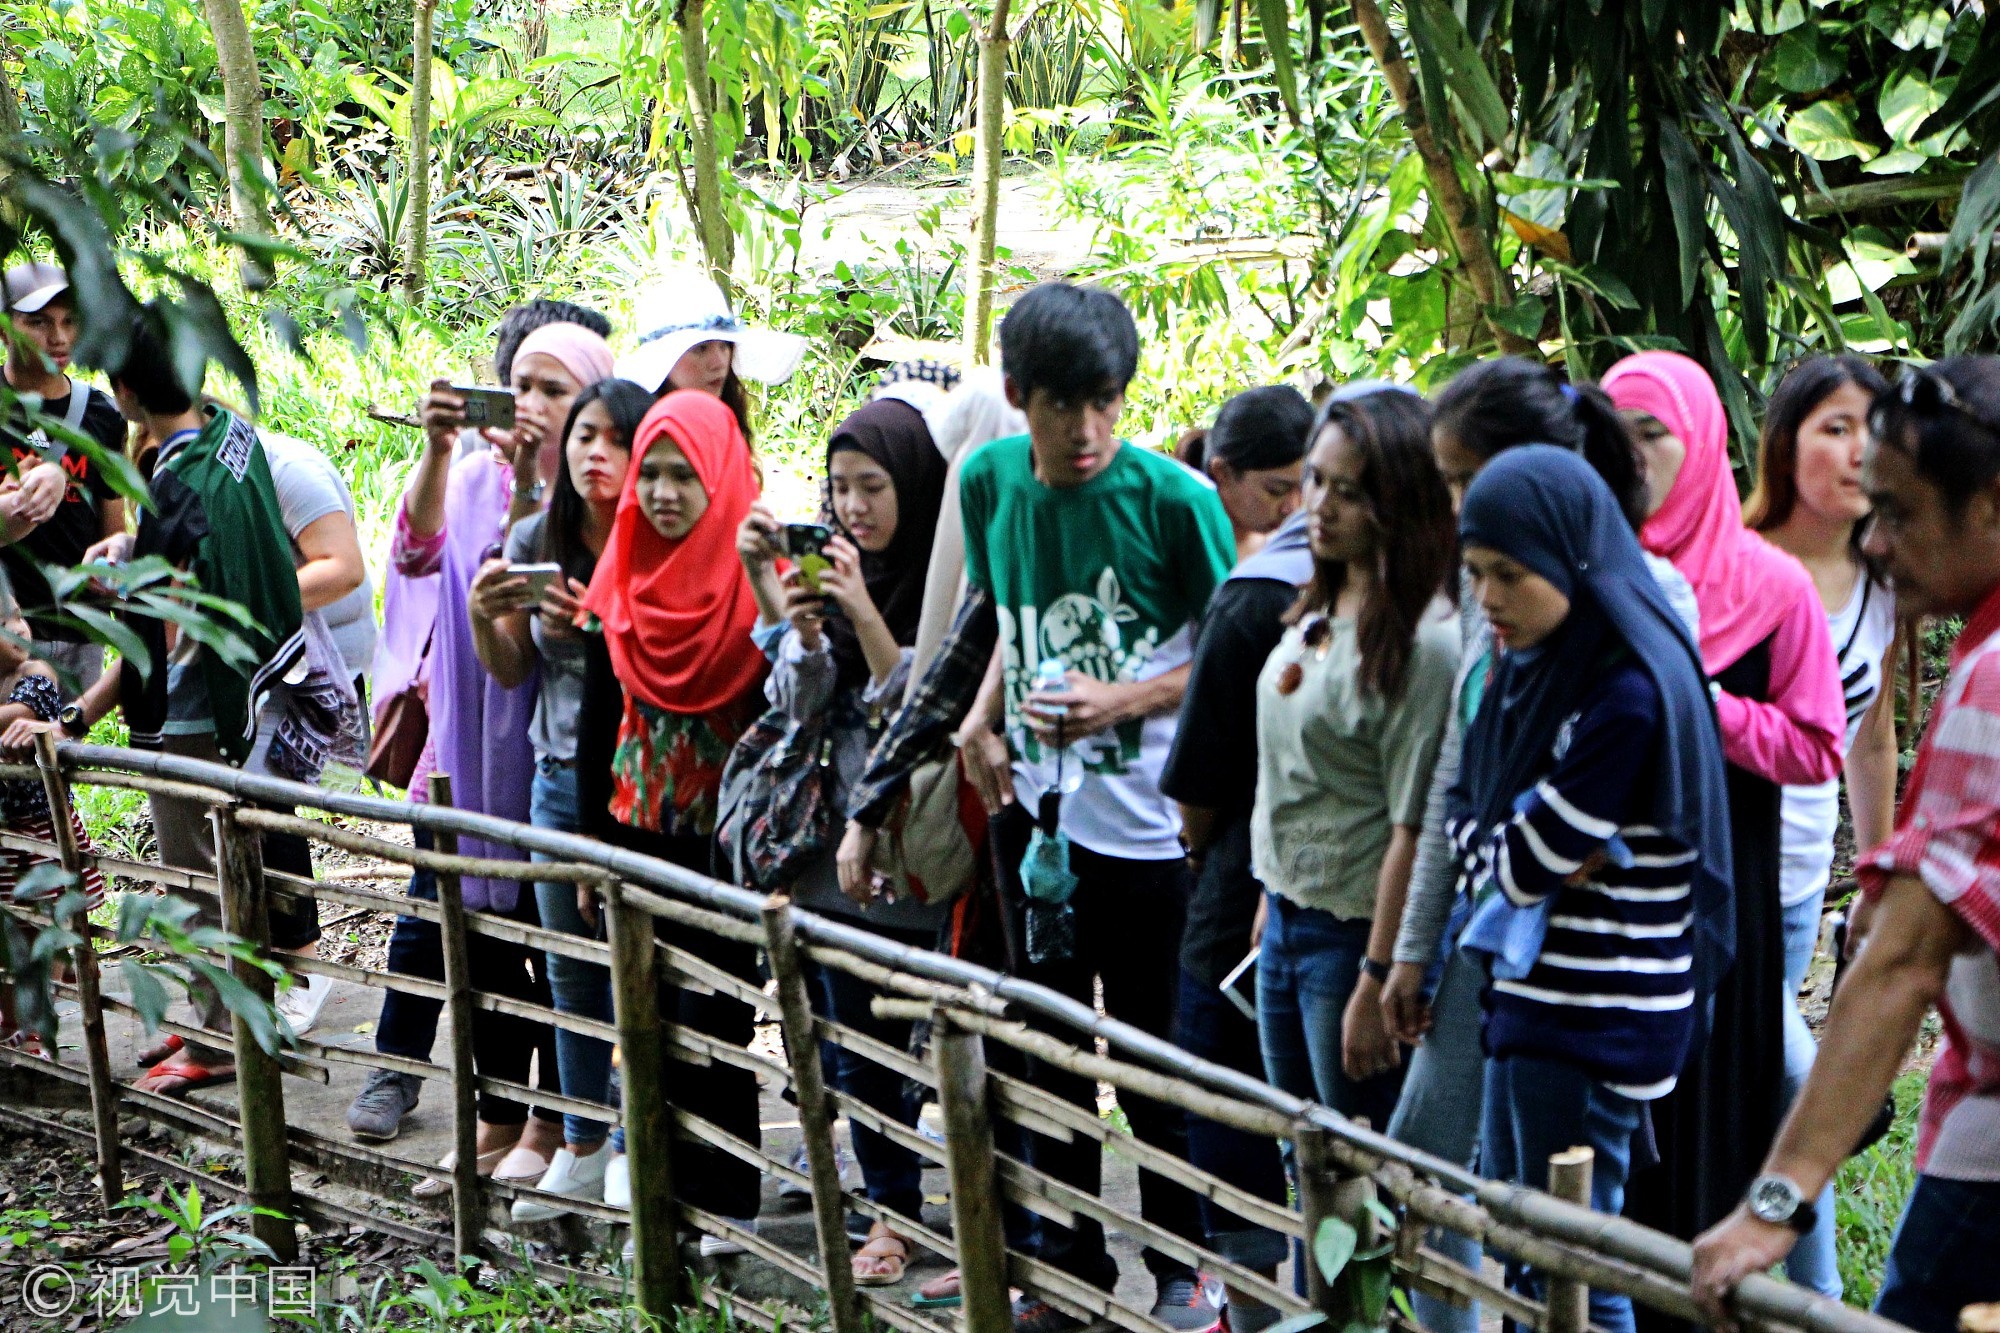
x,y
1106,577
1337,765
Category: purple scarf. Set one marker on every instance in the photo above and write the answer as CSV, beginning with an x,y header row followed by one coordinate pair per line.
x,y
480,730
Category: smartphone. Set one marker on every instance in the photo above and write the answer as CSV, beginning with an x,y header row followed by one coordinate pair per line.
x,y
487,407
539,577
1240,986
806,543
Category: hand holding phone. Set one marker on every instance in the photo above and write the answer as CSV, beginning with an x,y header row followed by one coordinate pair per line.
x,y
490,408
806,543
539,577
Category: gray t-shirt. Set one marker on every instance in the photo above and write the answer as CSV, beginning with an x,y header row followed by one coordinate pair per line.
x,y
309,488
553,732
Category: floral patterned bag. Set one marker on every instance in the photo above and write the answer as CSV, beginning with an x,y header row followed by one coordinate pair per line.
x,y
776,810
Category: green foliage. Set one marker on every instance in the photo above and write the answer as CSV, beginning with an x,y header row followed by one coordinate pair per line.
x,y
1869,1194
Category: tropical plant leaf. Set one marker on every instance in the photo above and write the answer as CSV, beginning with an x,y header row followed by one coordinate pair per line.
x,y
1977,88
1333,1247
1274,17
1827,132
1207,22
1461,70
1808,59
1687,194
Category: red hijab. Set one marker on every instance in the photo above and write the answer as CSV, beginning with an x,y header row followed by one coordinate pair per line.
x,y
677,614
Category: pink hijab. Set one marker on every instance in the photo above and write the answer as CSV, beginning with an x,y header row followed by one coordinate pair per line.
x,y
1744,585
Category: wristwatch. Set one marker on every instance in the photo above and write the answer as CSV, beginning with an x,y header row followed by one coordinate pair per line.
x,y
72,721
1779,1201
1371,968
532,494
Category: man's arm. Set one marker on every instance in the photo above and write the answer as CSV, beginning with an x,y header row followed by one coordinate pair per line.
x,y
940,700
1094,705
1869,1031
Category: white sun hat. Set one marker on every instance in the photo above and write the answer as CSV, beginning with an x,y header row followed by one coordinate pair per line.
x,y
685,308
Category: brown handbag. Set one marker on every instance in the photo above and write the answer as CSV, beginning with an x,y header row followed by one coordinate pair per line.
x,y
401,729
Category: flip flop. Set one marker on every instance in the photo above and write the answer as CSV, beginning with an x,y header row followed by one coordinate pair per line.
x,y
168,1047
172,1079
884,1247
938,1293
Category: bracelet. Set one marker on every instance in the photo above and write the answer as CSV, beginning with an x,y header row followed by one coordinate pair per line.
x,y
1371,968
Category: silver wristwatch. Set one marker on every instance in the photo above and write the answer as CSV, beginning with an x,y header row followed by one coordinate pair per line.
x,y
1779,1201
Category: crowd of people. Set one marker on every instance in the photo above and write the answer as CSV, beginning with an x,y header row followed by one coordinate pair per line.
x,y
1469,763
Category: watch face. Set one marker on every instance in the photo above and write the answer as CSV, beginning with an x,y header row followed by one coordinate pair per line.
x,y
1774,1199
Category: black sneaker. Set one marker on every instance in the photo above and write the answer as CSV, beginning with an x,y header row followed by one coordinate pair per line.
x,y
1184,1305
1032,1314
378,1109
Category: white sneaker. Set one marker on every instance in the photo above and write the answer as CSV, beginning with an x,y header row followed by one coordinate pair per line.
x,y
617,1179
714,1247
842,1165
572,1177
301,1003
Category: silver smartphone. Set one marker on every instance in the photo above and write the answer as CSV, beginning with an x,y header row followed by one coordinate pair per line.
x,y
487,407
539,577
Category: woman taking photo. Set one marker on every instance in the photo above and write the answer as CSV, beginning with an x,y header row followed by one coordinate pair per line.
x,y
1809,502
452,517
1254,456
670,683
522,637
1350,708
1764,644
849,664
1589,806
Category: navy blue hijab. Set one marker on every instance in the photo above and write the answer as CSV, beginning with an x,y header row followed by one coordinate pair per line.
x,y
1548,509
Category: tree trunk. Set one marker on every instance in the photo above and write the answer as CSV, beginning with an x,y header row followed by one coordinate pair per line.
x,y
993,48
10,109
242,129
417,234
1447,192
718,244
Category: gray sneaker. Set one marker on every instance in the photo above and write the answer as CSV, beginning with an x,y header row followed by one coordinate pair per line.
x,y
1184,1305
378,1109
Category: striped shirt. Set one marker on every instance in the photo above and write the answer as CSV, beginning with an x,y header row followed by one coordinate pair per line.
x,y
1612,990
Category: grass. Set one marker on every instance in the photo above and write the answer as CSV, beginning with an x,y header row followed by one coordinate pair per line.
x,y
1869,1195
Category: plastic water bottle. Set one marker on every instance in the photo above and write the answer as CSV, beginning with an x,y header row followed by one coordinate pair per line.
x,y
1050,677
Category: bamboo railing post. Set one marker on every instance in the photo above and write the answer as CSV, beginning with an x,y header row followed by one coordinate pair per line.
x,y
635,994
96,1053
1569,1299
467,1211
1319,1182
815,1119
260,1090
960,1059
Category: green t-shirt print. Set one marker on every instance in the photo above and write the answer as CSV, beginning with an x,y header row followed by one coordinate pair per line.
x,y
1098,576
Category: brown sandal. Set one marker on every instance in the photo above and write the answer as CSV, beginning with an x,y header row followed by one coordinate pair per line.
x,y
881,1261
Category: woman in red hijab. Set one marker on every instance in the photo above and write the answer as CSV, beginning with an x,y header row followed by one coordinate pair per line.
x,y
671,684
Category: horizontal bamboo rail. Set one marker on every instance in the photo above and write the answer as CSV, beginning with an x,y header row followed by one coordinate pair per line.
x,y
654,910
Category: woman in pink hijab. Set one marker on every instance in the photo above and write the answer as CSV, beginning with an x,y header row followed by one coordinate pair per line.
x,y
1779,704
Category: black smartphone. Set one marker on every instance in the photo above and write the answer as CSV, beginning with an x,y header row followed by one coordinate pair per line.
x,y
487,407
806,543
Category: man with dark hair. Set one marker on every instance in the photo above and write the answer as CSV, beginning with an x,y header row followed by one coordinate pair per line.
x,y
1089,561
57,502
1930,895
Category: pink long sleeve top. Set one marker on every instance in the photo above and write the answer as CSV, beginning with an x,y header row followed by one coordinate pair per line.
x,y
1793,738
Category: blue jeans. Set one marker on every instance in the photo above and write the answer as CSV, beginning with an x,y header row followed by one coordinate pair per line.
x,y
1942,1260
892,1174
1307,967
578,987
1439,1113
1208,1025
1811,1264
1536,1108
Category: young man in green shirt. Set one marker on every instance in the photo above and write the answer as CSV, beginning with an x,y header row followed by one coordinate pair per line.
x,y
1098,558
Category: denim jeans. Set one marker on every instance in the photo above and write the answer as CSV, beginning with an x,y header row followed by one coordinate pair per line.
x,y
1439,1113
579,988
1811,1263
1943,1256
1208,1025
1536,1108
1307,967
892,1174
408,1023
